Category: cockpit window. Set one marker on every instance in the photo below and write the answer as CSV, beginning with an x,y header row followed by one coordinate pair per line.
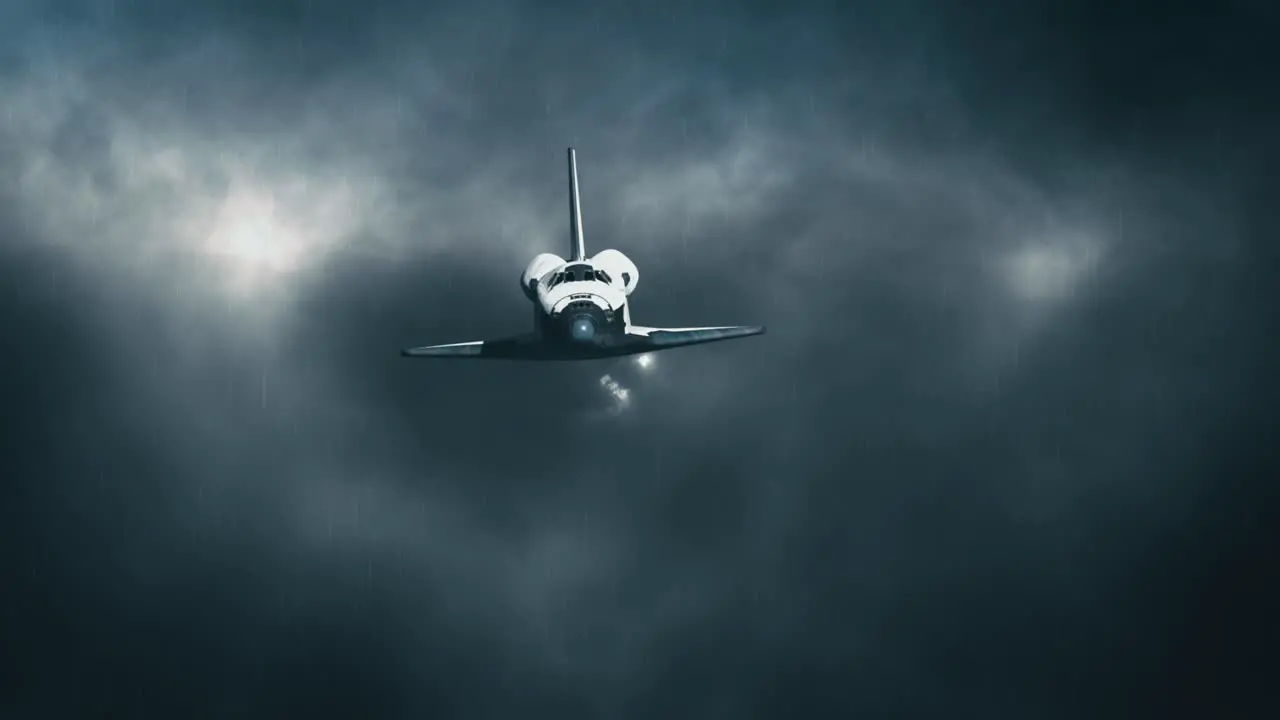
x,y
579,273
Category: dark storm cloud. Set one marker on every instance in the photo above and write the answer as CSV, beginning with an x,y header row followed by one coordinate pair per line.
x,y
1014,330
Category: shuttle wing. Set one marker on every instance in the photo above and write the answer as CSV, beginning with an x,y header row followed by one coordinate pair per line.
x,y
652,338
520,347
531,347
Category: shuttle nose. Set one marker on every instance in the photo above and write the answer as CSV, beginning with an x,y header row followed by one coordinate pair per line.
x,y
583,328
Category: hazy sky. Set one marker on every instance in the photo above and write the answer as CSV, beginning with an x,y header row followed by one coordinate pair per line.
x,y
1001,454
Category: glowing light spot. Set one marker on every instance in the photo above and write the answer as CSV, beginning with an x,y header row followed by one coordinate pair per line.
x,y
620,395
644,362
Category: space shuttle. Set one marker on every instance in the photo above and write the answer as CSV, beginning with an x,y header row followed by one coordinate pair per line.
x,y
581,309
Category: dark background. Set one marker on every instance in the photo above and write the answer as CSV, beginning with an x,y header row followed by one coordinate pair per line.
x,y
1005,451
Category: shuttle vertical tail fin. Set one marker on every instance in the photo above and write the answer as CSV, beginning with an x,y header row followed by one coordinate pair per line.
x,y
579,249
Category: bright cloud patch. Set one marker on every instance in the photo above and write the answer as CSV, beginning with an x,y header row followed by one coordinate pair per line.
x,y
1051,268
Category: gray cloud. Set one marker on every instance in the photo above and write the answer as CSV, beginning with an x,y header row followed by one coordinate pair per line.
x,y
1006,342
